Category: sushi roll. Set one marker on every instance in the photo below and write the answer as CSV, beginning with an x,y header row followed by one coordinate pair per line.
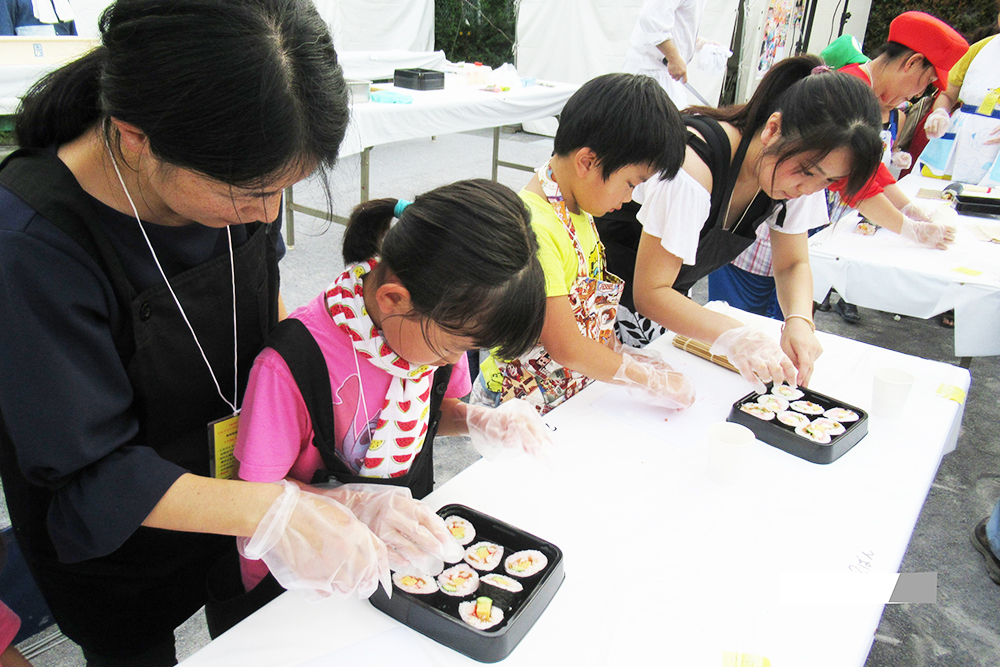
x,y
812,432
807,407
772,402
526,563
458,581
503,589
462,530
415,584
758,411
484,556
831,426
787,392
793,419
480,613
842,415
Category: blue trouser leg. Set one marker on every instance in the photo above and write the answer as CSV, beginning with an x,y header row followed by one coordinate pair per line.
x,y
993,530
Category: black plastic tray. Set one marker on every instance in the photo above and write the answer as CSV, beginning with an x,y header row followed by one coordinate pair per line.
x,y
784,437
418,78
438,620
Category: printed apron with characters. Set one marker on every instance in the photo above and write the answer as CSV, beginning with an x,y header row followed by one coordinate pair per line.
x,y
534,376
962,154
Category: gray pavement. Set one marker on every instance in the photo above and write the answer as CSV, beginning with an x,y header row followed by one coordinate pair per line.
x,y
962,629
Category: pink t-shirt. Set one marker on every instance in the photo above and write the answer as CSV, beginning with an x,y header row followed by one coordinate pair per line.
x,y
9,625
275,435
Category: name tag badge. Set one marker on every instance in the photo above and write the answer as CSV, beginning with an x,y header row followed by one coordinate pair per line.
x,y
989,102
221,442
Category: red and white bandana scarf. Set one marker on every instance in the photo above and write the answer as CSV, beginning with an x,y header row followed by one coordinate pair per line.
x,y
402,424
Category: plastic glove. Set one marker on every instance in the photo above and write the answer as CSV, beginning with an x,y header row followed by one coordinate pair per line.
x,y
651,379
937,123
930,234
415,536
513,427
917,211
758,358
316,546
902,160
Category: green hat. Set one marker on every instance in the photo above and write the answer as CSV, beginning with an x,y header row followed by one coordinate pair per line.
x,y
843,51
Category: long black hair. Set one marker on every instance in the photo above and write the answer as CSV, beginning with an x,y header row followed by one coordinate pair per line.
x,y
467,255
819,113
242,91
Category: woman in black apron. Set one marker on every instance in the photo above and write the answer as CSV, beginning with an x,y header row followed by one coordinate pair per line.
x,y
804,128
139,282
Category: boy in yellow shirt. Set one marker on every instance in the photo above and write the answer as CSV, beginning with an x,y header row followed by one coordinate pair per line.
x,y
617,131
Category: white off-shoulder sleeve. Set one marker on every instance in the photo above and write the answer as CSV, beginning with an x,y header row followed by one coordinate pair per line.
x,y
675,211
803,214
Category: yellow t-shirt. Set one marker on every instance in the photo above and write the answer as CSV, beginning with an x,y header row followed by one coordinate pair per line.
x,y
957,74
557,255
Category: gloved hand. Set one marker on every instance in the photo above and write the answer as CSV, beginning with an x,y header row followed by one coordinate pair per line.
x,y
930,234
937,124
651,379
415,536
917,211
316,546
758,358
901,160
513,427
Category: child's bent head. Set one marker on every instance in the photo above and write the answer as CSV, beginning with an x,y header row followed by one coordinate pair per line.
x,y
626,119
466,254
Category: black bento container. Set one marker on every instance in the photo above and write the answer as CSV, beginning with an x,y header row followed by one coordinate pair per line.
x,y
437,619
782,436
418,78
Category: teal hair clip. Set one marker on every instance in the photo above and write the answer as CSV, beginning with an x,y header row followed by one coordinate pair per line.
x,y
401,205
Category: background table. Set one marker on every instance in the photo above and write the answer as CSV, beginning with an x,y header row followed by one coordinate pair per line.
x,y
664,565
432,112
889,273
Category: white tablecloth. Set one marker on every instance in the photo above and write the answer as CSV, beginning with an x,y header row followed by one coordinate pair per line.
x,y
372,65
664,565
889,273
452,109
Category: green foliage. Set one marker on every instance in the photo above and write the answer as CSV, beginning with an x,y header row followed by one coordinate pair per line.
x,y
965,16
476,30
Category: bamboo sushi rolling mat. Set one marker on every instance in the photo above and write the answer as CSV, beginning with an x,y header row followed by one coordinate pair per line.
x,y
700,349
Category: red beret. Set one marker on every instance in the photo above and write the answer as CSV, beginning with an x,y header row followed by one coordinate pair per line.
x,y
931,37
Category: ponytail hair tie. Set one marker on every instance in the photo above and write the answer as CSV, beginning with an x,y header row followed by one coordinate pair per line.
x,y
401,205
820,69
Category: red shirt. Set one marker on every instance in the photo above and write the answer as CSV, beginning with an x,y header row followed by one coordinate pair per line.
x,y
881,178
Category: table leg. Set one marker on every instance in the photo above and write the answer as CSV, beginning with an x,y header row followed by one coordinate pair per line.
x,y
365,165
965,362
496,151
289,219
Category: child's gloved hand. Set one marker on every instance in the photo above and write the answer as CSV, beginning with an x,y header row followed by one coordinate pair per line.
x,y
937,124
513,427
758,358
415,536
901,160
651,379
930,234
316,546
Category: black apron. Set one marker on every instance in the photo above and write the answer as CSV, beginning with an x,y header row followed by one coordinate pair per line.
x,y
717,246
133,598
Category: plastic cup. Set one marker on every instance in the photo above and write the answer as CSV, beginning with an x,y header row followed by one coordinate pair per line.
x,y
890,389
727,450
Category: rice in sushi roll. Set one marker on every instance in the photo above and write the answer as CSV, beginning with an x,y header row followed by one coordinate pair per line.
x,y
415,584
812,432
758,411
525,563
458,581
842,415
772,402
807,407
831,426
484,556
787,392
462,530
793,419
480,613
503,589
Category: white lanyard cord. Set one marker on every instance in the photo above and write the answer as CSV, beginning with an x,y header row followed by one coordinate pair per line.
x,y
232,272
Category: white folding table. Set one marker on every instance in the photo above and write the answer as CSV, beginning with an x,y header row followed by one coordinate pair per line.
x,y
664,565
